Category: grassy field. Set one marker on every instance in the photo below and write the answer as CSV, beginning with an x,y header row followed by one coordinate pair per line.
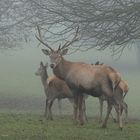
x,y
34,127
21,117
22,102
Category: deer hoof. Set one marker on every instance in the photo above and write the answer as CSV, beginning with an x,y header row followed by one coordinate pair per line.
x,y
51,119
104,126
115,121
81,123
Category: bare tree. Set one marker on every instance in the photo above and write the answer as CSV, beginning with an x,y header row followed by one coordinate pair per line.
x,y
14,15
113,24
103,24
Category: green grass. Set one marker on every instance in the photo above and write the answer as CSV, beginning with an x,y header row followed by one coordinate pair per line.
x,y
35,127
22,103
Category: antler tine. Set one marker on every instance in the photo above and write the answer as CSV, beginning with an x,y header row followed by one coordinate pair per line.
x,y
59,48
74,39
43,43
40,39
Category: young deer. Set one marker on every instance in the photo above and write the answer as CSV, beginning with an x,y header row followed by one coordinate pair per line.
x,y
54,89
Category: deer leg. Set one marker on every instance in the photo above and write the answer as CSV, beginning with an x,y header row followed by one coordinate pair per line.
x,y
80,106
109,108
120,117
75,107
84,110
117,113
113,118
125,107
60,107
50,109
126,113
101,109
46,109
119,105
108,94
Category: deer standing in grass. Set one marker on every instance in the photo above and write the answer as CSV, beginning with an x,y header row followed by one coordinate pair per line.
x,y
54,88
122,88
83,78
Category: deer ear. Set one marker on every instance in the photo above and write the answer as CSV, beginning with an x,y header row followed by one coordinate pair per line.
x,y
46,52
64,52
41,63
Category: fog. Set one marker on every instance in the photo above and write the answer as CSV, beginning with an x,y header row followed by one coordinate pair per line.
x,y
22,91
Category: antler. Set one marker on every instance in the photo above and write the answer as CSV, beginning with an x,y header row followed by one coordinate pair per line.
x,y
40,39
68,43
59,47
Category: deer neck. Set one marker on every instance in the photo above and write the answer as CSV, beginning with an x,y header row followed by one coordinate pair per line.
x,y
44,77
62,69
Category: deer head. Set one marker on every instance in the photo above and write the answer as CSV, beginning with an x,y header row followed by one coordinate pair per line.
x,y
42,69
56,55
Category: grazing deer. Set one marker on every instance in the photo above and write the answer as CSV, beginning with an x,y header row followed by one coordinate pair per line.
x,y
83,78
123,86
54,88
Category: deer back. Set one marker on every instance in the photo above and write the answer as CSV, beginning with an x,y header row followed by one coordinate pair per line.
x,y
84,75
59,87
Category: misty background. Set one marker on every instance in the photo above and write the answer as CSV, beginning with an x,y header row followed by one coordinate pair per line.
x,y
22,91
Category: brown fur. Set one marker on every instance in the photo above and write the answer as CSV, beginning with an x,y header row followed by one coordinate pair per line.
x,y
113,75
122,88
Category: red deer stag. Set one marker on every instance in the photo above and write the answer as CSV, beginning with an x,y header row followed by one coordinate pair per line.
x,y
83,78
